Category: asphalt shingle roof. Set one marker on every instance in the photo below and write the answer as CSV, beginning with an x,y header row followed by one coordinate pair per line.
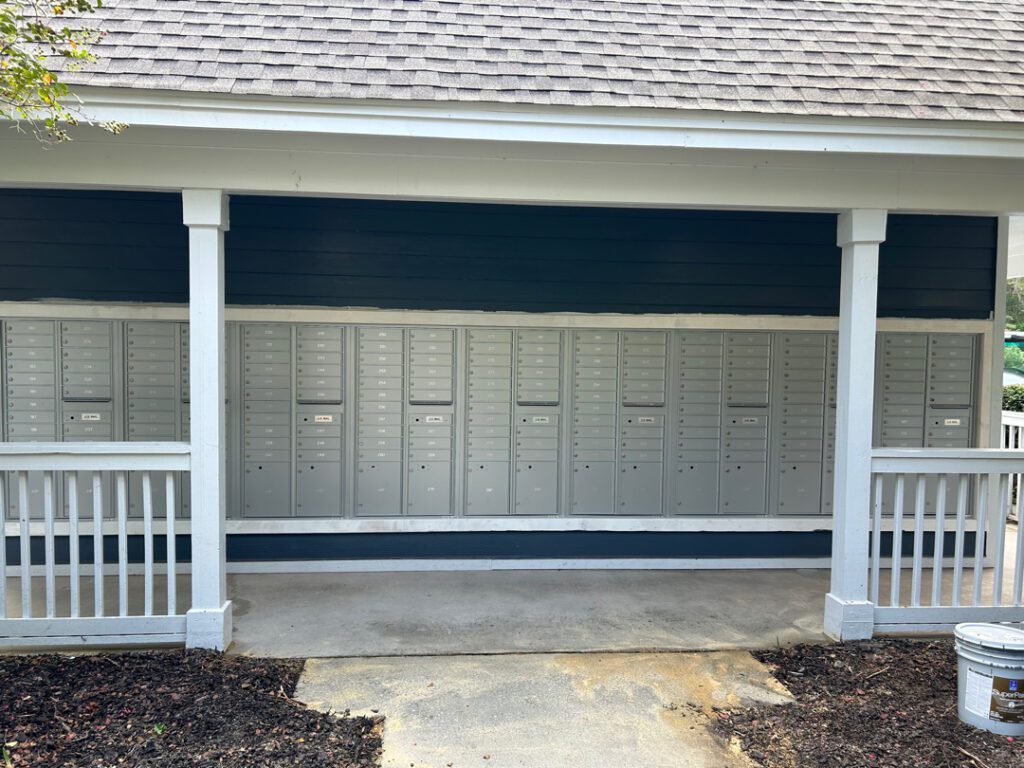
x,y
931,59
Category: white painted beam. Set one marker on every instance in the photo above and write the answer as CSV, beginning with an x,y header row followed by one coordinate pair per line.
x,y
209,620
848,613
411,168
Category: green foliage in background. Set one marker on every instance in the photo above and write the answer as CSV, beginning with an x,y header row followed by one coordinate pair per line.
x,y
1015,305
39,41
1013,397
1013,357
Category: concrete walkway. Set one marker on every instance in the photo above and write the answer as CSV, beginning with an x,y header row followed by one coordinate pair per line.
x,y
547,711
495,612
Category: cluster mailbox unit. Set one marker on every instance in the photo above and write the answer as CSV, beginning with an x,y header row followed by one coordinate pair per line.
x,y
335,420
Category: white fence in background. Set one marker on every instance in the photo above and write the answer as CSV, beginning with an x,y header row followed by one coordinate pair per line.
x,y
1013,438
972,567
69,611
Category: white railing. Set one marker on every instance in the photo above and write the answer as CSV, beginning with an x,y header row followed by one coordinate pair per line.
x,y
1013,439
44,595
952,555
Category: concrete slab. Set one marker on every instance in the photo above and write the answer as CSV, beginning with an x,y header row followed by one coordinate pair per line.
x,y
540,711
452,613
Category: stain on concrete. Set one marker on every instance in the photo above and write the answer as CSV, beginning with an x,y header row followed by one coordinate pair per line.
x,y
546,710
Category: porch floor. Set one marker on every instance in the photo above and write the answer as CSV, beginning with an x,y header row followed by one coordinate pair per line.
x,y
492,612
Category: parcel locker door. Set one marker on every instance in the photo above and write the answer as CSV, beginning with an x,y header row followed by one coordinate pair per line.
x,y
266,489
430,489
799,488
318,489
536,488
487,488
379,489
640,488
696,489
743,488
593,488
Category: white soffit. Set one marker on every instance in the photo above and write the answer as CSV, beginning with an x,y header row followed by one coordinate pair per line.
x,y
595,127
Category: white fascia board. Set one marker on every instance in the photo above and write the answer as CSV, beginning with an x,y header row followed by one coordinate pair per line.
x,y
594,127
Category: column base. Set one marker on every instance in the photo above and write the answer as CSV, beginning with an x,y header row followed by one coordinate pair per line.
x,y
849,619
208,627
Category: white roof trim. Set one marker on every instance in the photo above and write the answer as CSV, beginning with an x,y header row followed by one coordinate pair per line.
x,y
595,127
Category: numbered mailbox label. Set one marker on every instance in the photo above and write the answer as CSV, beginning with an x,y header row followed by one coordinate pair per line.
x,y
646,420
91,417
951,422
434,419
750,420
323,418
540,420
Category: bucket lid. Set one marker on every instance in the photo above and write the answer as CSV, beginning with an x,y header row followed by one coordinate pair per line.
x,y
995,636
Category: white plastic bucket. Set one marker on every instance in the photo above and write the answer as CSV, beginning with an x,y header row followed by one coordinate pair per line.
x,y
990,677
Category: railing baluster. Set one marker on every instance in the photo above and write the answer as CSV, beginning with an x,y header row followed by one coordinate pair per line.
x,y
3,546
172,555
876,540
1000,541
24,535
74,556
121,511
979,540
49,565
961,540
938,541
97,544
897,539
915,579
147,527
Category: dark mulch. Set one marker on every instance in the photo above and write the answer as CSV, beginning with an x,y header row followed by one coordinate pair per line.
x,y
877,704
171,709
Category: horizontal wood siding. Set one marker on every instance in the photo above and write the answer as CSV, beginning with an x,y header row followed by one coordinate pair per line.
x,y
412,255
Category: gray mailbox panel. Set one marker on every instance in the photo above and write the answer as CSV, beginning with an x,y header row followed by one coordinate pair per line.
x,y
266,489
593,488
536,488
696,488
379,489
640,486
487,488
430,489
318,489
743,488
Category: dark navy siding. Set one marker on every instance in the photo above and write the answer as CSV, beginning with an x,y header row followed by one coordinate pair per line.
x,y
415,255
507,545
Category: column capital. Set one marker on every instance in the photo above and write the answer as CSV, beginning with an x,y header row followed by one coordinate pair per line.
x,y
861,225
205,208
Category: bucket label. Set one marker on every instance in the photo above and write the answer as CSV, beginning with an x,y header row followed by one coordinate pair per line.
x,y
1007,700
1000,699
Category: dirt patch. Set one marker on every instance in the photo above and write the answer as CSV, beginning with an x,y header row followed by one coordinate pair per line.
x,y
171,709
877,704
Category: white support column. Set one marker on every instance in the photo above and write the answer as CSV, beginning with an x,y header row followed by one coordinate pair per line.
x,y
848,613
208,622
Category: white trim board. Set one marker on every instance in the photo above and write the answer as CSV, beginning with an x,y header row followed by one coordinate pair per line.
x,y
358,316
480,525
398,565
632,127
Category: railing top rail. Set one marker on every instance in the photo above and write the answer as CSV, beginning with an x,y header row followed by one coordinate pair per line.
x,y
946,460
167,456
1013,417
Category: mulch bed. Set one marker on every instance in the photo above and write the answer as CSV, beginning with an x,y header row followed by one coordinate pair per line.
x,y
171,709
876,704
